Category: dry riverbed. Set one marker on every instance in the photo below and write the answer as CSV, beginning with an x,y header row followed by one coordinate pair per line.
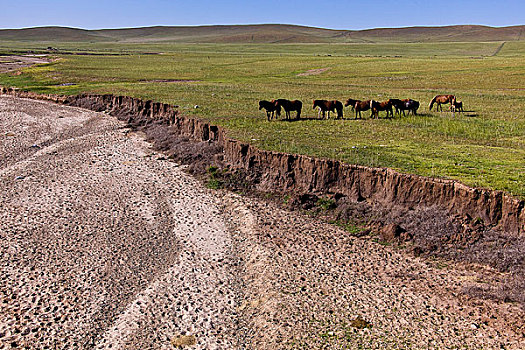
x,y
105,243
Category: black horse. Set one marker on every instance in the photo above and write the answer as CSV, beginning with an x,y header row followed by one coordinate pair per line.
x,y
271,107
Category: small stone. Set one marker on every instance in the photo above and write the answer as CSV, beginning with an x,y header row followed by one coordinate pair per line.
x,y
394,232
360,323
183,340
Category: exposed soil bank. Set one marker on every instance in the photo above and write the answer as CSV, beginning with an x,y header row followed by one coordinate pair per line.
x,y
274,171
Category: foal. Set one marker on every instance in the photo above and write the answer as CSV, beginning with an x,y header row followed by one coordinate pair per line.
x,y
456,106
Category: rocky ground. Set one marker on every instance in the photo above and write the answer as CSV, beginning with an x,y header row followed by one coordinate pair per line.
x,y
106,244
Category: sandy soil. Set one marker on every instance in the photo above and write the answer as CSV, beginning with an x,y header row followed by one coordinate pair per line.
x,y
104,243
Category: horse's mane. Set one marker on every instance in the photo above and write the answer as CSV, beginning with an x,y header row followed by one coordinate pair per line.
x,y
431,104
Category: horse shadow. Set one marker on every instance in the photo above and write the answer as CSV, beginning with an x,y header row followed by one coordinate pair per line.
x,y
470,114
292,120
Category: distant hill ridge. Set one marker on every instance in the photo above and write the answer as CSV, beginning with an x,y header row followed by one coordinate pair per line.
x,y
266,33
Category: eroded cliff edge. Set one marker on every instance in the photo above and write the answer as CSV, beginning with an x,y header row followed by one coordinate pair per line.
x,y
281,172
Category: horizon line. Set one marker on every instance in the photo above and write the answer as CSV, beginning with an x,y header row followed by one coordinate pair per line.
x,y
259,24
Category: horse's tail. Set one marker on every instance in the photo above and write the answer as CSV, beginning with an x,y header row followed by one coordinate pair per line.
x,y
372,107
432,103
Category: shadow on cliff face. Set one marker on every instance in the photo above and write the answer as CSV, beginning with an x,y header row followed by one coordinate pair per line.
x,y
198,156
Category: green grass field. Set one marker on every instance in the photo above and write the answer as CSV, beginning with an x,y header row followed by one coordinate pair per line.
x,y
484,147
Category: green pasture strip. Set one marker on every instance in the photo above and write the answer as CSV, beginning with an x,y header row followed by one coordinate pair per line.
x,y
484,147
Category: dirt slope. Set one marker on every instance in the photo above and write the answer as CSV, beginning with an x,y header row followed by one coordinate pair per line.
x,y
105,243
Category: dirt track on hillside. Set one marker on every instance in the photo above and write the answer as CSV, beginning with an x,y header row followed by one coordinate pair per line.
x,y
106,243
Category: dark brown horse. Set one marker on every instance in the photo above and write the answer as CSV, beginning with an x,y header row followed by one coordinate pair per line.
x,y
329,106
360,106
398,104
441,99
405,105
271,107
290,106
351,102
376,107
411,106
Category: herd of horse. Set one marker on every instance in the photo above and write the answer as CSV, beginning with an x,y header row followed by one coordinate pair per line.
x,y
273,108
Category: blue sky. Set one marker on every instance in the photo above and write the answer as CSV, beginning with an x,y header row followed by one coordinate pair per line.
x,y
350,14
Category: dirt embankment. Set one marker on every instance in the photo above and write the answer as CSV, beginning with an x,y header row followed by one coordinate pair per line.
x,y
274,171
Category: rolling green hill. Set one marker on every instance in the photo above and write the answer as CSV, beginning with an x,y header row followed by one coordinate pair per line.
x,y
266,33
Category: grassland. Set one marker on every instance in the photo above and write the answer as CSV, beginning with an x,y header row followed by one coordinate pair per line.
x,y
484,147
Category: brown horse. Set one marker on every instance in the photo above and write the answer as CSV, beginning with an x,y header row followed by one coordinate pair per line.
x,y
441,99
360,106
271,107
289,106
329,106
456,106
376,107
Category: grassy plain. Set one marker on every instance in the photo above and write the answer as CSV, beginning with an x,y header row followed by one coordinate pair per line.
x,y
484,147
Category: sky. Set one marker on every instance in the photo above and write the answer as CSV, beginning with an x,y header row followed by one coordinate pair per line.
x,y
340,14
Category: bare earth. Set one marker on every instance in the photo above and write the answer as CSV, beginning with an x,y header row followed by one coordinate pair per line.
x,y
104,243
13,63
